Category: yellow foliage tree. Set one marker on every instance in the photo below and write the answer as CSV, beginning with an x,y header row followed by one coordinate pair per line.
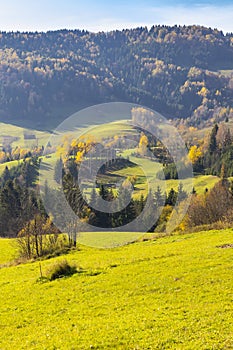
x,y
64,149
143,143
23,153
2,157
79,156
203,92
195,153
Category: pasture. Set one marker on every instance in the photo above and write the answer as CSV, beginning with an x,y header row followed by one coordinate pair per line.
x,y
170,293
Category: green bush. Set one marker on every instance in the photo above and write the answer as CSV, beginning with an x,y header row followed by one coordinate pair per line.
x,y
60,269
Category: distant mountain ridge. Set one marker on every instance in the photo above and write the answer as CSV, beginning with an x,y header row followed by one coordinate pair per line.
x,y
184,72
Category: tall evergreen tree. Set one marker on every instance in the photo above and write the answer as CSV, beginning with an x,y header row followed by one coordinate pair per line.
x,y
171,197
213,141
58,171
159,197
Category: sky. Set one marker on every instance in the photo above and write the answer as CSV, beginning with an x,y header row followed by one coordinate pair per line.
x,y
102,15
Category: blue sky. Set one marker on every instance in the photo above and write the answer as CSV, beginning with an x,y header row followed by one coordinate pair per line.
x,y
98,15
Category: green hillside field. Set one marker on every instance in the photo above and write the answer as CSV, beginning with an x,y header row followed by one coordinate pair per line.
x,y
18,132
170,293
145,170
7,251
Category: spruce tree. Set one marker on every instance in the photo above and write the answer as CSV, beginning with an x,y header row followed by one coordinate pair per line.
x,y
58,171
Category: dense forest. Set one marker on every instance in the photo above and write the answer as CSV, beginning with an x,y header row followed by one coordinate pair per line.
x,y
183,72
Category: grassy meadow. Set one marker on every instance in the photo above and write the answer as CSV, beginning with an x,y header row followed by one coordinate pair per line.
x,y
145,169
170,293
7,250
18,132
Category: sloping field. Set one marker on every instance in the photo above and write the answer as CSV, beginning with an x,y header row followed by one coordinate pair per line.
x,y
171,293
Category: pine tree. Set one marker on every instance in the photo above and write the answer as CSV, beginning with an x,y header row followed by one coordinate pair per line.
x,y
73,194
58,171
6,175
150,215
227,139
93,199
213,141
159,197
171,198
181,193
141,203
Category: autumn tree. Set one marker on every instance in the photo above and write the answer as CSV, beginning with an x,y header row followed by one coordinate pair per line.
x,y
214,206
195,153
143,144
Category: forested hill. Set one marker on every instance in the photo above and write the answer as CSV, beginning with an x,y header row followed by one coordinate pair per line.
x,y
182,72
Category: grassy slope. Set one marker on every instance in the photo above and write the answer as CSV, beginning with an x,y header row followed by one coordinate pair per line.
x,y
7,252
108,130
17,131
173,293
146,170
146,167
49,162
10,165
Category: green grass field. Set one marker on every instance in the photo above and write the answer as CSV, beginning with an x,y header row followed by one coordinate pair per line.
x,y
10,165
117,128
171,293
17,131
48,161
7,250
146,170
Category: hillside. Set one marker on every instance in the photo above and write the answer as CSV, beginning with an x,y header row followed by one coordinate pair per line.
x,y
171,293
182,72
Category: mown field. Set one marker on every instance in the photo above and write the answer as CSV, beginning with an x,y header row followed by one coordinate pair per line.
x,y
171,293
